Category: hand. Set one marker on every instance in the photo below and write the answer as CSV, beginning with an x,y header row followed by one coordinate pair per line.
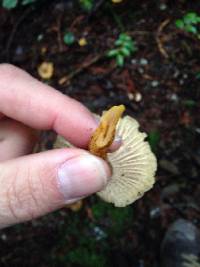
x,y
33,185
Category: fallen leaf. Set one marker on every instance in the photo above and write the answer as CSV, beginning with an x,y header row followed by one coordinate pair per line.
x,y
185,119
82,42
75,206
117,1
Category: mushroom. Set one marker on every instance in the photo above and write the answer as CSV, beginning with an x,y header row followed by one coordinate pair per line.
x,y
133,164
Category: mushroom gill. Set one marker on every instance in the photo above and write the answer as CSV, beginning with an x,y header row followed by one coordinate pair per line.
x,y
133,164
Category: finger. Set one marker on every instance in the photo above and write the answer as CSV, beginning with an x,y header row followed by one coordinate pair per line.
x,y
34,185
39,106
16,139
116,144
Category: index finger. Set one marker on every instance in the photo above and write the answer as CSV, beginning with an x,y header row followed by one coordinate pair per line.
x,y
39,106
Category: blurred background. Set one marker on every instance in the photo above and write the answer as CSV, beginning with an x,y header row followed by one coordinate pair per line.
x,y
144,54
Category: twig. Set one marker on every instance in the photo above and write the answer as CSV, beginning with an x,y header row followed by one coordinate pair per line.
x,y
159,40
95,8
116,17
139,33
59,36
67,78
14,30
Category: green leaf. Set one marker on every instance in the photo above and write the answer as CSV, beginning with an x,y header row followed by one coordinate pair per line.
x,y
189,103
125,37
197,75
190,18
120,60
190,28
112,53
154,138
85,257
9,4
86,4
179,24
69,38
133,47
119,42
129,46
125,51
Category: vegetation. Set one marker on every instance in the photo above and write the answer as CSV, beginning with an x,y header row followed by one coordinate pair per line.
x,y
189,23
124,47
69,38
157,77
93,238
9,4
86,4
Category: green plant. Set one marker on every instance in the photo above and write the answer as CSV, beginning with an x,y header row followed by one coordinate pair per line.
x,y
154,139
189,23
118,218
124,47
9,4
69,38
85,257
197,75
86,4
189,103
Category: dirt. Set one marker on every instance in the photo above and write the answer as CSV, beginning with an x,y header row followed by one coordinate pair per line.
x,y
159,85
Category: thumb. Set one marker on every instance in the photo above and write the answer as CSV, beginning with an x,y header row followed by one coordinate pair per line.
x,y
34,185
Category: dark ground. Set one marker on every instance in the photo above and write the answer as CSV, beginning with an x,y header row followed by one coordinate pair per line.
x,y
164,71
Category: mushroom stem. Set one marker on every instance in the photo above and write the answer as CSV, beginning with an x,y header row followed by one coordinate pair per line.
x,y
104,135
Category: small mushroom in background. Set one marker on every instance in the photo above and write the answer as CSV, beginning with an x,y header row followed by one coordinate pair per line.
x,y
133,164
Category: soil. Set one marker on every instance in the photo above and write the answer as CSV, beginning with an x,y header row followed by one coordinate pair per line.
x,y
160,87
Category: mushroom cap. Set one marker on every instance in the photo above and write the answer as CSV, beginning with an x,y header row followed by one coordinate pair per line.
x,y
133,166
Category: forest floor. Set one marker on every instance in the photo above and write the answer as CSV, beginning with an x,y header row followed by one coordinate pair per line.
x,y
160,86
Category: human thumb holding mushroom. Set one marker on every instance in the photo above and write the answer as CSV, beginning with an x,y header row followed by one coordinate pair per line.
x,y
33,185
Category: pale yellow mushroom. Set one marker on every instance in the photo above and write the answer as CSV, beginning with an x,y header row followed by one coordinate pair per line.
x,y
133,165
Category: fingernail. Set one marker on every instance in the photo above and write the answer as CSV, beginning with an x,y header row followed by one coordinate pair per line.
x,y
97,119
116,144
82,176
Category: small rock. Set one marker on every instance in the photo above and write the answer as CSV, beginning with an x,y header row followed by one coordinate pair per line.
x,y
143,61
19,51
141,70
174,97
170,190
138,97
4,237
155,212
197,130
40,37
134,61
154,83
99,233
163,6
176,73
130,96
169,166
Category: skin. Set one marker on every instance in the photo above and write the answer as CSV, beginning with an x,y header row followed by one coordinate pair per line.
x,y
28,184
